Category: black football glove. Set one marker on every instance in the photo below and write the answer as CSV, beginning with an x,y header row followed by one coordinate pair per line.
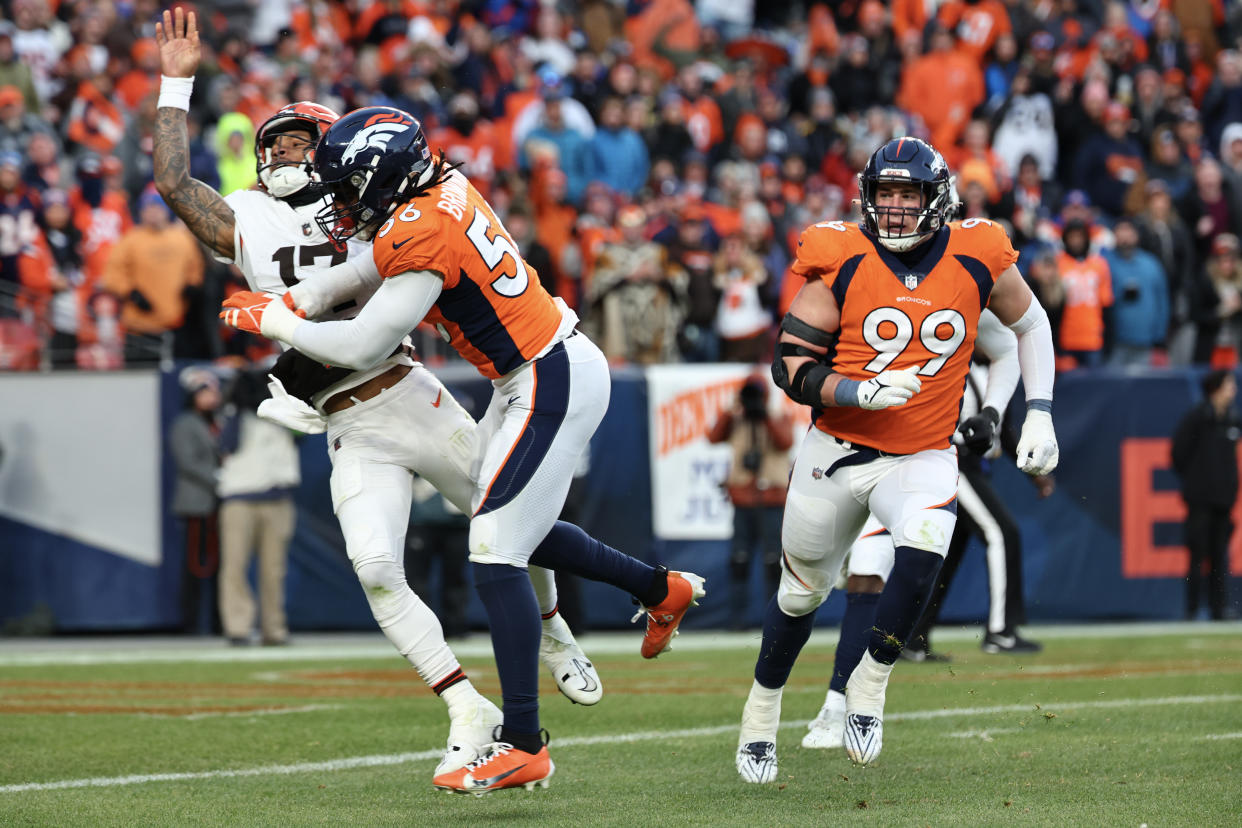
x,y
978,431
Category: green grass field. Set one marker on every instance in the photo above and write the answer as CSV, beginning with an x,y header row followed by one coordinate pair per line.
x,y
1108,726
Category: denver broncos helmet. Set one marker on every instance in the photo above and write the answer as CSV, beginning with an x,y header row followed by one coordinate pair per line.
x,y
907,161
281,178
369,160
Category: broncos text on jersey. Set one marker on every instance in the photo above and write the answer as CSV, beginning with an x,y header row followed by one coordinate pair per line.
x,y
895,316
492,310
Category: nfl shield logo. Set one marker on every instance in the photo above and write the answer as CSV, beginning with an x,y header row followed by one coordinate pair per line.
x,y
817,473
306,231
912,281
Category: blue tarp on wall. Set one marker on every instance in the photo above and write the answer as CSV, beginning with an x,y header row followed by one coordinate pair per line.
x,y
1073,541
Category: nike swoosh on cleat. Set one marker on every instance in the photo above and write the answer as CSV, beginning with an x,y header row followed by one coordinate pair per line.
x,y
436,404
492,780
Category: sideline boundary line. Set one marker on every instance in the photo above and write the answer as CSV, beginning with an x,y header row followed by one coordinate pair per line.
x,y
574,741
85,651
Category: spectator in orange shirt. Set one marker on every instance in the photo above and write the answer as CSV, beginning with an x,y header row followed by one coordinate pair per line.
x,y
942,87
148,271
95,122
974,160
469,140
1088,292
143,78
977,24
702,113
51,270
100,211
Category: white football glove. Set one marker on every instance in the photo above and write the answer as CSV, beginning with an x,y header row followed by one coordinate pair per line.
x,y
889,388
287,410
1037,448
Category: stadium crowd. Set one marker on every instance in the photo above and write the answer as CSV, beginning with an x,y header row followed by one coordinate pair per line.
x,y
655,160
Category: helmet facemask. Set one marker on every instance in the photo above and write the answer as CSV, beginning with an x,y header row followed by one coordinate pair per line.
x,y
937,201
282,177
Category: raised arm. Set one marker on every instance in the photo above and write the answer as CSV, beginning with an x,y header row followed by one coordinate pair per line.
x,y
202,209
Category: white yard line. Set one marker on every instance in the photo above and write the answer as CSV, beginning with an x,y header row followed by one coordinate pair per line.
x,y
603,739
1215,736
245,714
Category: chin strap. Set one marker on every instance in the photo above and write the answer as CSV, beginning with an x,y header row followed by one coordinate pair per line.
x,y
312,193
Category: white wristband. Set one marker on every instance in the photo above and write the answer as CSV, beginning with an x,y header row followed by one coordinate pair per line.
x,y
278,321
175,92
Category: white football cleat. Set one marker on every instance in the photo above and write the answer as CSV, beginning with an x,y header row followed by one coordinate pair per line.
x,y
827,730
864,710
756,743
756,762
470,735
575,675
864,736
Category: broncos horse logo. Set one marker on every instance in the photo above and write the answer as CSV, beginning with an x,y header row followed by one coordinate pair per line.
x,y
377,133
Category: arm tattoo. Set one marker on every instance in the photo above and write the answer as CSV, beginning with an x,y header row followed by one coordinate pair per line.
x,y
202,209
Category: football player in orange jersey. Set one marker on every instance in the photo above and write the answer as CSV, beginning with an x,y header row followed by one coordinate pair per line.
x,y
878,341
267,232
445,258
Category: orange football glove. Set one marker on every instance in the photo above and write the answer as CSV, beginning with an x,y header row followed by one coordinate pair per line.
x,y
244,309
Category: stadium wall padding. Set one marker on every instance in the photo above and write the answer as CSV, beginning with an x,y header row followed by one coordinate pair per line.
x,y
1105,545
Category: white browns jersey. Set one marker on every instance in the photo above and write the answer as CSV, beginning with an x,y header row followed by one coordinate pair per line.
x,y
276,245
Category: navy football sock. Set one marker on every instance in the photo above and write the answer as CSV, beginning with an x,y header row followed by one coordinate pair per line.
x,y
513,616
856,627
569,549
901,603
783,638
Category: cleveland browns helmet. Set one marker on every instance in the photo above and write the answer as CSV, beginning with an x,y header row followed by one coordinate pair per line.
x,y
372,161
907,161
281,178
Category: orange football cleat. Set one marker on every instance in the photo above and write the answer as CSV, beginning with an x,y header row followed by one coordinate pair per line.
x,y
502,766
684,590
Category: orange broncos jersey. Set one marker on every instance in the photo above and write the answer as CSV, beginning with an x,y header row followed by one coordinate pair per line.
x,y
492,309
894,317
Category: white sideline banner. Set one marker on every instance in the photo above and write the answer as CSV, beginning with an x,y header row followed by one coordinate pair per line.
x,y
81,458
683,402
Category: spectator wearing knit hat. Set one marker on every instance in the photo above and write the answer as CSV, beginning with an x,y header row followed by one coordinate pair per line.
x,y
149,271
1167,163
1109,163
636,301
1217,304
17,125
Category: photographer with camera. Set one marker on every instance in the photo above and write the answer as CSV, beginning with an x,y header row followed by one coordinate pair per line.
x,y
758,476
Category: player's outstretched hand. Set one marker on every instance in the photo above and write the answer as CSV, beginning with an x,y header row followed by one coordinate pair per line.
x,y
177,37
976,433
889,388
1037,447
244,309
